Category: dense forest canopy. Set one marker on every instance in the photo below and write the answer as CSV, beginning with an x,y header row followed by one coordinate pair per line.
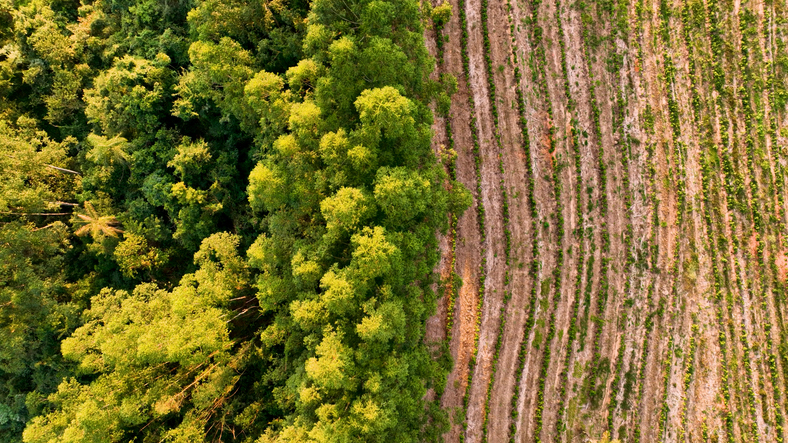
x,y
218,221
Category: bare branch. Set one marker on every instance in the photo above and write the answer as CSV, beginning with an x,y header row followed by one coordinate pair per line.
x,y
63,170
35,213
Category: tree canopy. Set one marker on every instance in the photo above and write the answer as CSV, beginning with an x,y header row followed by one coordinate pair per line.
x,y
218,221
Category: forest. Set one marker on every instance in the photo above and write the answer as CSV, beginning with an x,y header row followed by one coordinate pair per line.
x,y
343,221
218,221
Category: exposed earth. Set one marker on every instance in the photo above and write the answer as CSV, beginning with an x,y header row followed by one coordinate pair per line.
x,y
628,273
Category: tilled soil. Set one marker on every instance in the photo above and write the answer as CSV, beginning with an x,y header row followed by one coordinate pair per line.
x,y
676,320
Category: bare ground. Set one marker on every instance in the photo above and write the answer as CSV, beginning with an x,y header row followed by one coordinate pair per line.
x,y
468,249
681,272
515,178
495,244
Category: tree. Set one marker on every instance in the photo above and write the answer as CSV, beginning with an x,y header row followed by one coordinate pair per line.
x,y
108,152
135,255
441,15
29,183
303,128
153,356
36,308
130,99
95,224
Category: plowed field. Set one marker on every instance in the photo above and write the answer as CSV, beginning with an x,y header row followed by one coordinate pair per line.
x,y
623,265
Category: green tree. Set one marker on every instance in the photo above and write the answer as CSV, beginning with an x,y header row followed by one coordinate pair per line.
x,y
154,356
31,181
36,309
130,98
301,127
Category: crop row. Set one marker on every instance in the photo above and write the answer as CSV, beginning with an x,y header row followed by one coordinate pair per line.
x,y
539,74
689,371
572,332
491,91
652,246
718,296
687,21
540,78
667,363
750,58
745,18
452,286
748,370
772,358
666,366
746,29
621,31
743,340
557,271
674,115
531,201
480,212
679,154
649,327
593,389
580,232
777,293
706,170
534,267
777,290
622,334
654,313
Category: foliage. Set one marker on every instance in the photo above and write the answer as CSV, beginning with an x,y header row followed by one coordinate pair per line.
x,y
248,203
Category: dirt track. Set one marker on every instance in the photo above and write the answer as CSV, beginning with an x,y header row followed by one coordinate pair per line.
x,y
675,292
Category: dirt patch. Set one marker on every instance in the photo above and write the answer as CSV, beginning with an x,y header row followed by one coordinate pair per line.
x,y
782,265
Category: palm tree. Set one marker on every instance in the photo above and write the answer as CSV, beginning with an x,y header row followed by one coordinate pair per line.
x,y
95,224
108,151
